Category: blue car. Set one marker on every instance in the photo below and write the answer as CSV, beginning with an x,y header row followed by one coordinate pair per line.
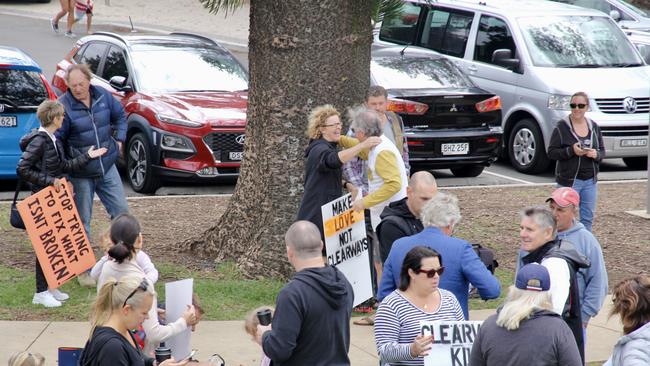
x,y
22,88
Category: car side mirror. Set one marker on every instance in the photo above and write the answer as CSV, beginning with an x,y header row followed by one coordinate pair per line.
x,y
119,83
503,57
615,15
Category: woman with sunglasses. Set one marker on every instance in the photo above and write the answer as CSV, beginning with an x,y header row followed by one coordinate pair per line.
x,y
577,147
397,324
126,235
120,307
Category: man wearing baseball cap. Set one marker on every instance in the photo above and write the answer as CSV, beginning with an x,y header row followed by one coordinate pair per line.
x,y
526,330
592,282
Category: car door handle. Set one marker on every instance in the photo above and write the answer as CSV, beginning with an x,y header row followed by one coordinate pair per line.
x,y
472,68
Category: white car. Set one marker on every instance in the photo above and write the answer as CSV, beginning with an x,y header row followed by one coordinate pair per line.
x,y
627,15
642,41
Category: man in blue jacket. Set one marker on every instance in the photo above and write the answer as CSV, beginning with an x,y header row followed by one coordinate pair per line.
x,y
93,117
462,265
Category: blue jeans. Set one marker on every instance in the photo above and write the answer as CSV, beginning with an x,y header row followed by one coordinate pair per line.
x,y
110,191
588,191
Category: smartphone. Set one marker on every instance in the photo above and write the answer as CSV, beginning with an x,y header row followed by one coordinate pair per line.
x,y
189,356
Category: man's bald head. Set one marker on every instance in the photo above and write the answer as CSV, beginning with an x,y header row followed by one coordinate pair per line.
x,y
422,188
304,239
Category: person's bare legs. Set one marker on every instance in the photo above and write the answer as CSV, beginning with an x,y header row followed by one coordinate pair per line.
x,y
89,22
64,10
70,15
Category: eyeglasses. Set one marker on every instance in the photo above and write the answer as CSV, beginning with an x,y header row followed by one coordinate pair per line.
x,y
142,286
432,272
579,105
333,124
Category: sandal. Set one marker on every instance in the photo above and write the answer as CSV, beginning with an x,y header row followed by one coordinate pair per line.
x,y
366,320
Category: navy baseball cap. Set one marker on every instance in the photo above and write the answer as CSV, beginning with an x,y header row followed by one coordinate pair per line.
x,y
533,277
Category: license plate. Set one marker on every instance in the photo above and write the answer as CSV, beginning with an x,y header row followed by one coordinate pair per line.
x,y
634,143
461,148
236,155
8,121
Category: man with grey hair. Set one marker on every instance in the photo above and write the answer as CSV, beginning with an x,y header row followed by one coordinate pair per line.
x,y
462,266
311,323
538,237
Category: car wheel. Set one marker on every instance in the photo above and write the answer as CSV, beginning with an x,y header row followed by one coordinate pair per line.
x,y
468,171
637,163
138,165
526,148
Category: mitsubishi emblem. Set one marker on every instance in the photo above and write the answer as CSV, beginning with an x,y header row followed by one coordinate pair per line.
x,y
453,108
629,104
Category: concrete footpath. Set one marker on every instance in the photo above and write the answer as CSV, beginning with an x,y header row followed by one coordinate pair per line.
x,y
229,339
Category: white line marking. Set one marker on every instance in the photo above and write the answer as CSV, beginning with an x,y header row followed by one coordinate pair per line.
x,y
507,177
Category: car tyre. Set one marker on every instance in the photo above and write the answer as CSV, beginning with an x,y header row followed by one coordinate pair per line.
x,y
138,165
637,163
526,148
468,171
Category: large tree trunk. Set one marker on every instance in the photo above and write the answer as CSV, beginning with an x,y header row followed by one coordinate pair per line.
x,y
302,54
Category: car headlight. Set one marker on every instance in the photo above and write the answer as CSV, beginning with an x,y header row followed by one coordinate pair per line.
x,y
559,102
178,121
176,143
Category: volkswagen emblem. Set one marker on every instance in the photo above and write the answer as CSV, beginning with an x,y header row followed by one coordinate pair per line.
x,y
240,139
2,107
453,108
629,104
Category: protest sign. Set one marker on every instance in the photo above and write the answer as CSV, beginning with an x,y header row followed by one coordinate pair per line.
x,y
452,341
178,295
347,246
57,234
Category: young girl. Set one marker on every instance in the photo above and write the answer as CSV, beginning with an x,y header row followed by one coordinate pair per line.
x,y
26,359
43,164
250,325
84,8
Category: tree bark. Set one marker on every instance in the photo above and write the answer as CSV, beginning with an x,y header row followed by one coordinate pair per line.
x,y
302,54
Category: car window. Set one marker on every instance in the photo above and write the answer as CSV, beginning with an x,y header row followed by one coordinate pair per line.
x,y
115,64
92,56
402,28
601,5
446,31
493,34
644,50
417,73
21,88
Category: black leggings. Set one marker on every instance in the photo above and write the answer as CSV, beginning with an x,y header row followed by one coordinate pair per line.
x,y
41,282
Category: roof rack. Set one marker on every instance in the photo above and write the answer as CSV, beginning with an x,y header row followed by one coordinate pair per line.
x,y
111,34
196,36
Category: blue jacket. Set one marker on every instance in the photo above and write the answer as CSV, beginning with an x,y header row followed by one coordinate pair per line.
x,y
462,266
101,125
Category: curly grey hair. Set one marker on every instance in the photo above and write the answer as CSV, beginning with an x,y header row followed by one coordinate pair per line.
x,y
441,211
365,120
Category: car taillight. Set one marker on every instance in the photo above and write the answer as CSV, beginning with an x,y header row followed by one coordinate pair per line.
x,y
414,143
491,140
489,105
50,92
406,106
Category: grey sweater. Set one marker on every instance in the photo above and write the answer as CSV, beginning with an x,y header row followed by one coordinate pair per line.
x,y
542,340
632,349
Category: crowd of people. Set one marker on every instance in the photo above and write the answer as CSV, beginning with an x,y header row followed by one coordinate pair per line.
x,y
421,271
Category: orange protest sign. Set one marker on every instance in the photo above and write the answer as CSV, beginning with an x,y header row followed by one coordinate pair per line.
x,y
57,234
342,221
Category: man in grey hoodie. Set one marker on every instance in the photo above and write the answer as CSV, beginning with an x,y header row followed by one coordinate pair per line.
x,y
311,323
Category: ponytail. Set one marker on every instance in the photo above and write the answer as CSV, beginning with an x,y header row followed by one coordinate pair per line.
x,y
103,306
120,252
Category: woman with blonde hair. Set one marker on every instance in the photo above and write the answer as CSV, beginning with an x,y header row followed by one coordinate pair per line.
x,y
525,330
25,358
323,176
631,299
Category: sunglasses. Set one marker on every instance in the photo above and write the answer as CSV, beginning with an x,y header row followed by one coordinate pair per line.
x,y
432,272
142,286
579,105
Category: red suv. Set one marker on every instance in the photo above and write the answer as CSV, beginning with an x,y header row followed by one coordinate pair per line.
x,y
185,98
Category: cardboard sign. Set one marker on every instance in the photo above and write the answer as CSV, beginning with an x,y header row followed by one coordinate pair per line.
x,y
178,295
347,246
452,342
57,234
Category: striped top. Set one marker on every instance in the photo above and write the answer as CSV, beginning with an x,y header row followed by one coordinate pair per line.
x,y
398,323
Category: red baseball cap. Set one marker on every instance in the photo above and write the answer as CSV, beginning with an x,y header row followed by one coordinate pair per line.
x,y
565,196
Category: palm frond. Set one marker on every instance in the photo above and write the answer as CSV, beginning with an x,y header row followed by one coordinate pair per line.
x,y
214,6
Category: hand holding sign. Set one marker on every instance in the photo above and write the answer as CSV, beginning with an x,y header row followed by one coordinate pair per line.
x,y
421,346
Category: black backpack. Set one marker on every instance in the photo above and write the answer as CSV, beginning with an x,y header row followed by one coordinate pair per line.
x,y
487,256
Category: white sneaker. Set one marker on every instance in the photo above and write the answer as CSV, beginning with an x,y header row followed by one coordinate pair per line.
x,y
46,299
61,296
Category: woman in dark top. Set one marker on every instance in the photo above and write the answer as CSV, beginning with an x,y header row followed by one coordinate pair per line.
x,y
323,180
120,307
577,146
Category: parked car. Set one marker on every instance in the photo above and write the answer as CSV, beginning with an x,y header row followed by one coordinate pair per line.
x,y
22,88
185,98
626,14
642,42
449,122
534,55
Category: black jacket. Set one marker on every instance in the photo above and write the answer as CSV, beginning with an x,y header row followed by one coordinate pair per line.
x,y
311,323
560,149
38,146
107,347
323,180
397,221
572,308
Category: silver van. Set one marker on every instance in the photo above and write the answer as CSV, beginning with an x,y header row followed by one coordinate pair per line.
x,y
534,55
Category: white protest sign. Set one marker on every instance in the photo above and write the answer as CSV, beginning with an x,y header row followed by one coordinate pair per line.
x,y
452,341
347,246
178,295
